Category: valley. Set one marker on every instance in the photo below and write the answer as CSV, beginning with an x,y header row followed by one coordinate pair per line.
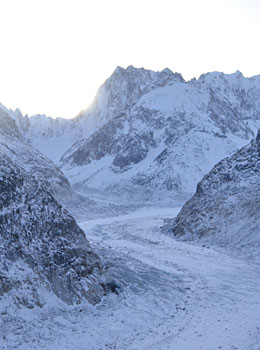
x,y
134,225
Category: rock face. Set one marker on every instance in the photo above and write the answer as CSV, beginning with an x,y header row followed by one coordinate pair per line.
x,y
42,249
226,206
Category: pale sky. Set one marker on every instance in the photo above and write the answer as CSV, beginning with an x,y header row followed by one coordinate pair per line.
x,y
56,53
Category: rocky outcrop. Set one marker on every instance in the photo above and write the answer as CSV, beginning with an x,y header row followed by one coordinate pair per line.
x,y
42,249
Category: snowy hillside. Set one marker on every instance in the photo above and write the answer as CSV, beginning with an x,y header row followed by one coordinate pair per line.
x,y
225,208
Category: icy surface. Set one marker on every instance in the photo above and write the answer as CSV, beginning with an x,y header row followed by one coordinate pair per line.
x,y
167,295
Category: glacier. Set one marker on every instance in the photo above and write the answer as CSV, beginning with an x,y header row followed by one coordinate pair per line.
x,y
134,225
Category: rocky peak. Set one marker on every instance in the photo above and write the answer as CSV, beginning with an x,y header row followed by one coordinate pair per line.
x,y
125,86
146,75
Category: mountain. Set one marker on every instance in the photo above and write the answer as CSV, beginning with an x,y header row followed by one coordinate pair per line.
x,y
43,251
225,209
165,140
150,135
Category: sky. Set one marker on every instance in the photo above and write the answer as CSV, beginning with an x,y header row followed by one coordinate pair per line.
x,y
54,54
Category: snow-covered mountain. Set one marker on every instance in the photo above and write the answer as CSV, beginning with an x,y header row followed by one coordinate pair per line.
x,y
42,249
226,206
150,134
166,139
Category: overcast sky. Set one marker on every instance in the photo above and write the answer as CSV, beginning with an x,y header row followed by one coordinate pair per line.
x,y
56,53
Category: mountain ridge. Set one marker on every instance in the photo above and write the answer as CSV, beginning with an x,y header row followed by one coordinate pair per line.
x,y
152,131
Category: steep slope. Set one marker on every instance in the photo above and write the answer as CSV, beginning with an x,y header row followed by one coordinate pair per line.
x,y
41,246
226,206
169,138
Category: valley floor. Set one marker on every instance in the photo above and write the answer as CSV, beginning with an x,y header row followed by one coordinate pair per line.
x,y
167,294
